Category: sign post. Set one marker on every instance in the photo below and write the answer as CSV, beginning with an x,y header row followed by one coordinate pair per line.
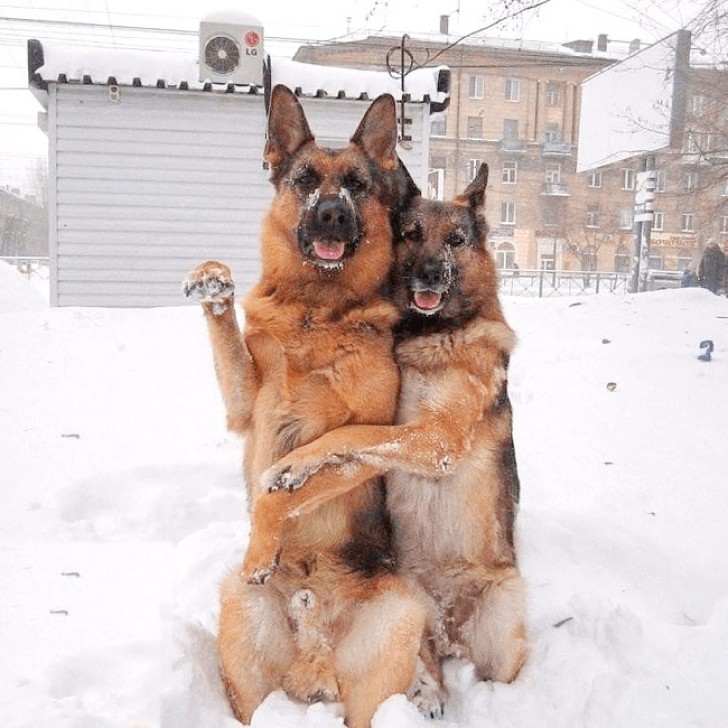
x,y
644,202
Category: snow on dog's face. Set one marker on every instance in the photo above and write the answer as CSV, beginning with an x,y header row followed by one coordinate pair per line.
x,y
443,269
332,210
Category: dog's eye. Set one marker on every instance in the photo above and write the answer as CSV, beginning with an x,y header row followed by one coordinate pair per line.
x,y
455,239
354,183
306,179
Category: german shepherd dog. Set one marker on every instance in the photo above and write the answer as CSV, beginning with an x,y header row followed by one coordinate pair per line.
x,y
316,354
452,488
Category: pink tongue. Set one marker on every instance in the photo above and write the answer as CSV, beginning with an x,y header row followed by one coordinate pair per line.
x,y
427,299
329,251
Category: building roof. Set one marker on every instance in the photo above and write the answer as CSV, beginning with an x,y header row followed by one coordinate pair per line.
x,y
161,69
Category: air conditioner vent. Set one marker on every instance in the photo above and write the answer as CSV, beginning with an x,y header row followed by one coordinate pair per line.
x,y
222,54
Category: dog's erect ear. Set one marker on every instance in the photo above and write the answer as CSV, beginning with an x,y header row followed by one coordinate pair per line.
x,y
474,194
377,132
288,129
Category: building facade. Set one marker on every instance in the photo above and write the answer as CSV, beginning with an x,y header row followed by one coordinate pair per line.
x,y
516,107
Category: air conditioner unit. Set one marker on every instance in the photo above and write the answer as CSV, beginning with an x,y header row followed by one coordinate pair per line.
x,y
231,48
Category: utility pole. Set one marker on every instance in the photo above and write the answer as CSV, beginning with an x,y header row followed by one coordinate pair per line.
x,y
644,202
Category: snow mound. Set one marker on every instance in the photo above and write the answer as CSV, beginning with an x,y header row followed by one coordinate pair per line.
x,y
16,292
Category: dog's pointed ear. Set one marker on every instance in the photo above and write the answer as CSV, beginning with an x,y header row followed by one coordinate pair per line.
x,y
377,132
474,194
288,129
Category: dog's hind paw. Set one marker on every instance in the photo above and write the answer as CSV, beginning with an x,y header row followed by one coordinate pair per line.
x,y
427,695
212,283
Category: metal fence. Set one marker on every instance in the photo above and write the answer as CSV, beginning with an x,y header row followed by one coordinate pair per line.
x,y
546,283
29,265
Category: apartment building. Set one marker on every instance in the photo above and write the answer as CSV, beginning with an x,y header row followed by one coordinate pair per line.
x,y
515,106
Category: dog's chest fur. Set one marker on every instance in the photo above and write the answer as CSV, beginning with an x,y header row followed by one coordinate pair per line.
x,y
310,362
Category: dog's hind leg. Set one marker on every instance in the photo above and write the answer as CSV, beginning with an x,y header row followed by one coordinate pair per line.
x,y
495,631
255,645
377,656
312,675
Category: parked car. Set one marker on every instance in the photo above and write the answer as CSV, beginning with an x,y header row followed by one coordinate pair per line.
x,y
658,280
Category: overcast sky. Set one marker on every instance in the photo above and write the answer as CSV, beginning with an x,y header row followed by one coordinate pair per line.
x,y
556,20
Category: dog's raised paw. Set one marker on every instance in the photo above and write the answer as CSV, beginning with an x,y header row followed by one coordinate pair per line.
x,y
212,284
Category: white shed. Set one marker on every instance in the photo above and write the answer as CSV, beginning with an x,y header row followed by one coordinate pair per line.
x,y
152,170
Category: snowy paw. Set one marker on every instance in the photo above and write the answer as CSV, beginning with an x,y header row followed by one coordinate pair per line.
x,y
212,284
286,479
427,696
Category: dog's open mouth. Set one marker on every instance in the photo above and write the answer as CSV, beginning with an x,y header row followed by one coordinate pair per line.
x,y
329,251
427,302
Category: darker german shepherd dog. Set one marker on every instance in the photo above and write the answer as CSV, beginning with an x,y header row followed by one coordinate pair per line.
x,y
316,354
452,488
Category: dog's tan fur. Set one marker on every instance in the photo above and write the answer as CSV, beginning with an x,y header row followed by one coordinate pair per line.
x,y
315,355
452,484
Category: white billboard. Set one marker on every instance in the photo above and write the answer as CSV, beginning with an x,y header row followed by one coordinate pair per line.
x,y
632,107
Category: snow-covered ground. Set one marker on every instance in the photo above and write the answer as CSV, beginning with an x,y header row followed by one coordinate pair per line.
x,y
122,506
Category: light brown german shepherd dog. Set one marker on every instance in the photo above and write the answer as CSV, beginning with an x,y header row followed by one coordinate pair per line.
x,y
316,354
452,488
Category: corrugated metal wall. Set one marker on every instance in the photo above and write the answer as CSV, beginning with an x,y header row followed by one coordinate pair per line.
x,y
148,186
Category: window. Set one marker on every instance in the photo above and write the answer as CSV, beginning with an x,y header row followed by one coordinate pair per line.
x,y
513,89
436,178
595,179
655,261
589,258
622,260
505,256
552,172
508,213
592,216
553,93
510,129
550,215
724,224
682,259
475,127
438,127
476,87
687,220
660,181
628,179
473,167
657,221
510,169
691,181
625,218
697,104
546,261
552,133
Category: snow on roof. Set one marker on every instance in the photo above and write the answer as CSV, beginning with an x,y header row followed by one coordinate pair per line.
x,y
62,64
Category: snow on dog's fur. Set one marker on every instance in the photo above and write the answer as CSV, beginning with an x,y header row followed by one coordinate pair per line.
x,y
452,484
316,354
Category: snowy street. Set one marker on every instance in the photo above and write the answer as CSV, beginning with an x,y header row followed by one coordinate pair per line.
x,y
123,505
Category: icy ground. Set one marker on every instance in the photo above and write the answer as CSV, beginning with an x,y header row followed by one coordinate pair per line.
x,y
122,506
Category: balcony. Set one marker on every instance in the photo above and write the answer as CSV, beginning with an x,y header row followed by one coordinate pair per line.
x,y
513,146
556,149
555,189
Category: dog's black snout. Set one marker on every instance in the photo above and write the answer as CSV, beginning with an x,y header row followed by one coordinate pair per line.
x,y
432,273
333,217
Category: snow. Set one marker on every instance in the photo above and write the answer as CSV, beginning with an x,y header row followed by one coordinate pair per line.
x,y
177,67
123,507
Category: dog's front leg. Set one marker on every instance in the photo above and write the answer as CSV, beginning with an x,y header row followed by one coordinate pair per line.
x,y
213,285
